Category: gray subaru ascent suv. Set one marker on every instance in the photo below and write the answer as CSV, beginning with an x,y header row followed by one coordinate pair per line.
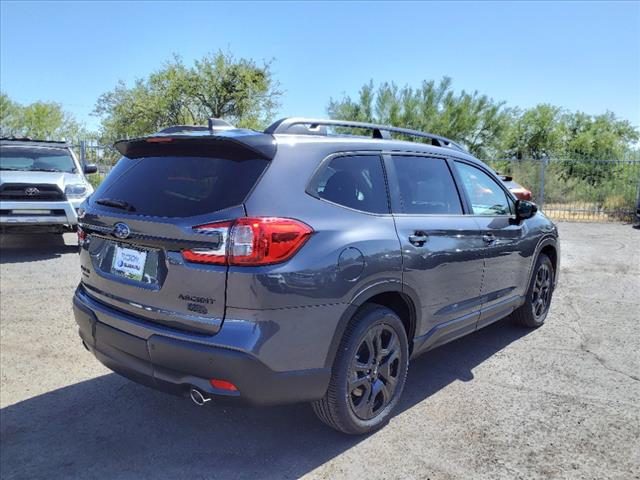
x,y
303,263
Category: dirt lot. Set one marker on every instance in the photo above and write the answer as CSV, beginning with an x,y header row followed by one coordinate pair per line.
x,y
559,402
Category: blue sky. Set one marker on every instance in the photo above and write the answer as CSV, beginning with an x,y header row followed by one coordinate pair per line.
x,y
580,55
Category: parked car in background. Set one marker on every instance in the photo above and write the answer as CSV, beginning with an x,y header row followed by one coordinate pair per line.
x,y
42,184
293,265
518,190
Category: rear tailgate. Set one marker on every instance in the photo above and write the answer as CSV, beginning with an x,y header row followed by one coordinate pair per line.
x,y
141,218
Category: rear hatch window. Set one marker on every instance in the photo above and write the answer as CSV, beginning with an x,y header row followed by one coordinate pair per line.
x,y
180,186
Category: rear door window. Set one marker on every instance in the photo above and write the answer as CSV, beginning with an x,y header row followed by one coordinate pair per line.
x,y
355,181
426,186
177,186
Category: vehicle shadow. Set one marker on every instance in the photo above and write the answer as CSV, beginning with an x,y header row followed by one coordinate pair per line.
x,y
109,427
19,248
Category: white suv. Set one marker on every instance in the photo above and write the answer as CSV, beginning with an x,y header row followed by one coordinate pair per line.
x,y
42,184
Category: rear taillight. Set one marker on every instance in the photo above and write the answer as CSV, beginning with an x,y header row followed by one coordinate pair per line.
x,y
261,241
81,234
217,254
251,241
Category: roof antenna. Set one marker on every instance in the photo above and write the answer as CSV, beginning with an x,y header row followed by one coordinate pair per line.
x,y
219,124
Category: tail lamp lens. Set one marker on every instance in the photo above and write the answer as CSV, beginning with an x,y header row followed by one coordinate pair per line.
x,y
251,241
217,253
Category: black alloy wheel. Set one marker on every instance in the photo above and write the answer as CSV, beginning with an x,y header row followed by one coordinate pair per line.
x,y
373,377
368,373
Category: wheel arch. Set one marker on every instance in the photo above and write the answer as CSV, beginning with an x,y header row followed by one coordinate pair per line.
x,y
550,251
393,295
549,246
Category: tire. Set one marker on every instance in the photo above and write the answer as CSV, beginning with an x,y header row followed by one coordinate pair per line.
x,y
368,374
534,311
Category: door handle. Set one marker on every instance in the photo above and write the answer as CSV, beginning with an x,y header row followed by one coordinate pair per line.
x,y
489,238
418,239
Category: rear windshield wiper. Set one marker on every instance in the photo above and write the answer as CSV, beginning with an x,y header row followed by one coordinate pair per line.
x,y
112,202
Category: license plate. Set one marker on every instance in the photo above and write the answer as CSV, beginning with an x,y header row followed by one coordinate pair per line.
x,y
128,263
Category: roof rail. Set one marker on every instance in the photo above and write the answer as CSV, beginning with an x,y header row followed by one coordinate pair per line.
x,y
287,125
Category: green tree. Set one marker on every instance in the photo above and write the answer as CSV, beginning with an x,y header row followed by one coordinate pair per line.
x,y
41,120
550,131
474,120
555,132
602,137
8,115
534,133
218,85
237,90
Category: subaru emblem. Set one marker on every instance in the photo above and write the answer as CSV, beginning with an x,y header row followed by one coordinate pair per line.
x,y
121,230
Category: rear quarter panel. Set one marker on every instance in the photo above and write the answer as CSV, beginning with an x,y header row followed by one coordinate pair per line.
x,y
314,276
303,303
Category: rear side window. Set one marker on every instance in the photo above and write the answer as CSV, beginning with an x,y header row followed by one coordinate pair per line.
x,y
177,186
486,196
353,181
426,186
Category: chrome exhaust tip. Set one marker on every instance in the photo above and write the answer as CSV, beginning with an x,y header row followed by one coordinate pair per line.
x,y
198,397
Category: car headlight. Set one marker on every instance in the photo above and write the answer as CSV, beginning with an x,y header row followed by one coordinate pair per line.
x,y
77,190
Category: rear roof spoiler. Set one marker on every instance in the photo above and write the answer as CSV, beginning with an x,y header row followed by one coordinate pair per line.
x,y
199,141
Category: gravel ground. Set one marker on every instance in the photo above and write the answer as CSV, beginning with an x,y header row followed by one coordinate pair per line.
x,y
562,401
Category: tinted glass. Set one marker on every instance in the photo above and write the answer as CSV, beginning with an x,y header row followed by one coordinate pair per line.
x,y
426,186
180,186
36,159
486,196
355,182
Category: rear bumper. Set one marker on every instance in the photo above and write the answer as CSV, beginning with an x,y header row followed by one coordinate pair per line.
x,y
65,213
175,365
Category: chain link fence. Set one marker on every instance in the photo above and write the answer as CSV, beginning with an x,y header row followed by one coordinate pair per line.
x,y
579,190
91,152
565,189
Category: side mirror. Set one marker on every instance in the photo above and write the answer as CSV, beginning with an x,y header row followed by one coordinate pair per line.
x,y
90,169
525,209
